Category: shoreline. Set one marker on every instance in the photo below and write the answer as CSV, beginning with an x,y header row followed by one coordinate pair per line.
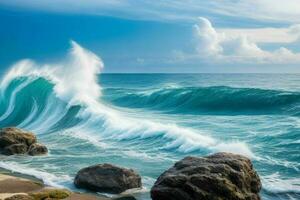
x,y
217,176
14,183
22,185
12,173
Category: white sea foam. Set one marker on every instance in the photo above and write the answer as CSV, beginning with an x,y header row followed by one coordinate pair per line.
x,y
48,178
281,162
235,147
275,183
148,182
75,78
81,134
147,156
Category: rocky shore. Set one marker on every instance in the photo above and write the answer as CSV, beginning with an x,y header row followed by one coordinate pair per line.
x,y
222,175
14,186
16,141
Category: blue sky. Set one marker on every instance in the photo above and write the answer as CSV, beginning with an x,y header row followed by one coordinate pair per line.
x,y
157,36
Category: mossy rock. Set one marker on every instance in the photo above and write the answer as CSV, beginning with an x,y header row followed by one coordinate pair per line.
x,y
12,135
37,149
48,194
19,197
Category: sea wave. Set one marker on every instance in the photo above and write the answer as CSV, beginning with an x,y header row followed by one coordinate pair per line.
x,y
276,183
57,97
208,100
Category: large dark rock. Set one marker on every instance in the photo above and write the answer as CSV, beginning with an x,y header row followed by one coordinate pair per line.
x,y
107,178
222,176
11,135
37,149
17,141
15,149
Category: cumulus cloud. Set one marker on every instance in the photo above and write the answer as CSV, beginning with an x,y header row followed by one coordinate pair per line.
x,y
219,46
208,38
266,35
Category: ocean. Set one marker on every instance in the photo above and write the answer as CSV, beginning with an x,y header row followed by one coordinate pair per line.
x,y
149,121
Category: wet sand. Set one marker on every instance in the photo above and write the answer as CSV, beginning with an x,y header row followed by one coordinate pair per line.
x,y
12,184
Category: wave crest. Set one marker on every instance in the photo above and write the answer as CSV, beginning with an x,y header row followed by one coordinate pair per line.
x,y
207,100
75,78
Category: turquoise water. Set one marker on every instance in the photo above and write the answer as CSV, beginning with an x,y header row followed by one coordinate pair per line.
x,y
149,121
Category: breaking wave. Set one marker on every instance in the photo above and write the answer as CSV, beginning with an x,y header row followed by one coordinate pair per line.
x,y
67,95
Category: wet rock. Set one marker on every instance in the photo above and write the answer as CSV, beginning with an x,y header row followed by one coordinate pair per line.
x,y
37,149
50,194
15,149
12,135
223,176
107,178
17,141
19,197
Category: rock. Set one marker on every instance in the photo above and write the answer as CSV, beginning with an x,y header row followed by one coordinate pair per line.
x,y
37,149
16,141
9,136
223,176
15,149
20,197
50,194
107,178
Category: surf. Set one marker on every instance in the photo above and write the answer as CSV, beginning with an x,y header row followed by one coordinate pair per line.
x,y
67,95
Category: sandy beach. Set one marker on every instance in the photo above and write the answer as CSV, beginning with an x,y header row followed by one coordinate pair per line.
x,y
12,184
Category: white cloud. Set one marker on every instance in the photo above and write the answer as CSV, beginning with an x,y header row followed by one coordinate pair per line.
x,y
216,46
275,10
266,35
208,38
295,30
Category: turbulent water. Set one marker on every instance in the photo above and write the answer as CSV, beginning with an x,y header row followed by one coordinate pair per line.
x,y
149,121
